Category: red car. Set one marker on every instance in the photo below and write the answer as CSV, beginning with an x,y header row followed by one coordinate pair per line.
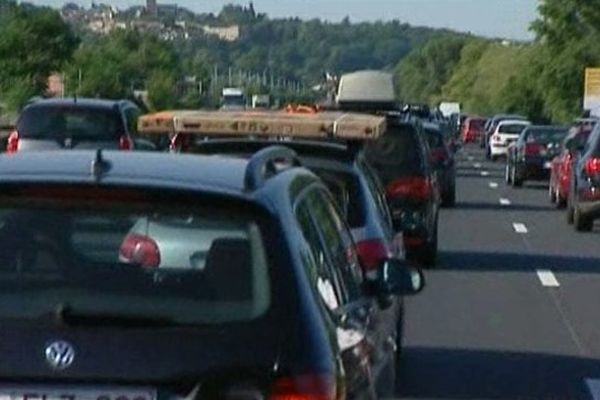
x,y
472,129
561,169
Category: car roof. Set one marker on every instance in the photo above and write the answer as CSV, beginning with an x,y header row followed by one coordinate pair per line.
x,y
142,169
78,102
514,122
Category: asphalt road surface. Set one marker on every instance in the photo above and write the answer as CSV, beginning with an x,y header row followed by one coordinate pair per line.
x,y
513,309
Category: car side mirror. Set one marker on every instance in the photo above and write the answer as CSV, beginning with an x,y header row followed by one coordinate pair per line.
x,y
397,278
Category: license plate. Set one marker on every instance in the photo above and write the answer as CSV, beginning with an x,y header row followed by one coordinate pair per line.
x,y
45,392
547,165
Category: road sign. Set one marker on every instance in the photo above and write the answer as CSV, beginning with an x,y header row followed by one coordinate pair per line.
x,y
591,97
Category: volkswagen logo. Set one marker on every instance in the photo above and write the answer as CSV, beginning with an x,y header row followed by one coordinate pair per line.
x,y
60,354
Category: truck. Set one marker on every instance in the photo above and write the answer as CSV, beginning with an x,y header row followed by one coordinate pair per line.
x,y
233,99
261,101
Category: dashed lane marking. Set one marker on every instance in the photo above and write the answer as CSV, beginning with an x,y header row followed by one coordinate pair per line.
x,y
493,185
477,165
485,173
505,202
470,158
547,278
519,227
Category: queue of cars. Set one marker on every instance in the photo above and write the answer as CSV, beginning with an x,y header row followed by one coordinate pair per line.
x,y
568,158
277,248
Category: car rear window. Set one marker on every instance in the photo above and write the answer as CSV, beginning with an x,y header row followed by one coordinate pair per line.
x,y
59,122
184,264
397,153
546,136
513,129
476,123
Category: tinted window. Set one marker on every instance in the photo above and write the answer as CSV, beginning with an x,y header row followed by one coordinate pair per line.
x,y
184,264
45,122
545,135
397,153
378,195
131,115
514,129
347,193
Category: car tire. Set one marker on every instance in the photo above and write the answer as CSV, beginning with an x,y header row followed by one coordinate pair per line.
x,y
581,222
386,384
428,252
507,175
570,214
552,196
516,181
561,202
449,199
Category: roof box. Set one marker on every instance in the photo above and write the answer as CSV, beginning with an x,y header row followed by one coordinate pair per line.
x,y
366,87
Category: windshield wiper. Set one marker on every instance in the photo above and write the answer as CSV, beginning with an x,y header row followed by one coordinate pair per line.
x,y
67,315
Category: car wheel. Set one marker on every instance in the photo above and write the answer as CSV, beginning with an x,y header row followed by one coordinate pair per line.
x,y
552,195
516,181
561,202
428,252
581,222
386,384
507,174
570,213
449,199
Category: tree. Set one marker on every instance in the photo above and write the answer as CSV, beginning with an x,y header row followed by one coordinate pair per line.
x,y
35,43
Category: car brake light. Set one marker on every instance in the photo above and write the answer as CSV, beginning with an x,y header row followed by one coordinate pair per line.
x,y
372,252
12,145
533,149
414,187
592,166
125,143
304,387
140,250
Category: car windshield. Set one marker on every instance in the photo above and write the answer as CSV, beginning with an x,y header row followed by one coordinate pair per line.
x,y
192,266
80,123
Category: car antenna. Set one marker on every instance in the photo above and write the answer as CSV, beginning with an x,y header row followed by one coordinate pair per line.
x,y
99,166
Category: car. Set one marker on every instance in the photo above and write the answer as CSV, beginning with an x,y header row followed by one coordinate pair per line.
x,y
442,160
401,158
505,133
472,129
562,165
272,259
530,157
584,200
351,180
77,123
491,125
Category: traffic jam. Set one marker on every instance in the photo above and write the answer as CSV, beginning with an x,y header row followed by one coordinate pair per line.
x,y
306,253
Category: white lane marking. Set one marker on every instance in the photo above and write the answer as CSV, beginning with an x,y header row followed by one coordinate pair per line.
x,y
547,278
470,158
485,173
477,165
594,387
504,202
494,185
519,227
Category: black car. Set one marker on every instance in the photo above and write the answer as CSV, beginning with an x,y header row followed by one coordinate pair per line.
x,y
77,123
530,157
584,196
266,300
401,158
442,159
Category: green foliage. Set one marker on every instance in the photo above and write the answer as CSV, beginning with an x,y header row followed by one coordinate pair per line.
x,y
35,42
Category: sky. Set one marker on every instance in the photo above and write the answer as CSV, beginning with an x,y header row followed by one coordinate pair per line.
x,y
494,18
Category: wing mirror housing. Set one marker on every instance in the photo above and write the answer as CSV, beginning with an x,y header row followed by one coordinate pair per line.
x,y
399,279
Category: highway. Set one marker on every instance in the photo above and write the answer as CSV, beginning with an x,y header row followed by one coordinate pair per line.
x,y
512,309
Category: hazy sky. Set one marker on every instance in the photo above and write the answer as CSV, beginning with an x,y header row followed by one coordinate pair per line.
x,y
501,18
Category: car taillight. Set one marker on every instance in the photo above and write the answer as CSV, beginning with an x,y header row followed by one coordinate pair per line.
x,y
414,187
438,155
592,166
12,145
304,387
140,250
533,149
125,143
372,252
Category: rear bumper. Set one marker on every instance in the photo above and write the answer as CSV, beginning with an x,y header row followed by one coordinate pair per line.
x,y
412,222
588,202
536,169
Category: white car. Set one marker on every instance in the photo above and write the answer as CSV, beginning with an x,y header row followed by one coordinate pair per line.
x,y
506,132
